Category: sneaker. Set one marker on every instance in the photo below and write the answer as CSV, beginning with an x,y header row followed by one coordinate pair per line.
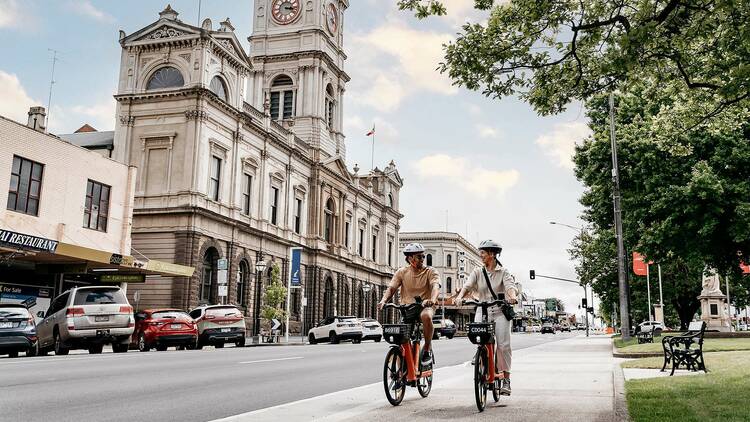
x,y
426,358
505,386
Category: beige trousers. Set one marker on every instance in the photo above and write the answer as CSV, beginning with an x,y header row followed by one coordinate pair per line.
x,y
502,337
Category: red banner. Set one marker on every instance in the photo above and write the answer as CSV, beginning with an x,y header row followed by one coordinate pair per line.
x,y
745,268
639,264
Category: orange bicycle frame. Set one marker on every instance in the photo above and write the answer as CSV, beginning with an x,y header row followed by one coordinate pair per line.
x,y
491,362
410,351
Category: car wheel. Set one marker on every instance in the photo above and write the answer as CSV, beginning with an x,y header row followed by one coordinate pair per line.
x,y
96,349
142,345
435,335
120,347
377,339
33,350
219,345
240,342
13,354
311,339
161,348
60,350
450,336
357,340
333,337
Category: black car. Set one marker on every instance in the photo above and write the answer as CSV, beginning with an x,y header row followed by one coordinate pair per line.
x,y
447,329
17,331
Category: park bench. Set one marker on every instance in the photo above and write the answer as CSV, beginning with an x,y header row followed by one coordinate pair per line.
x,y
645,334
686,349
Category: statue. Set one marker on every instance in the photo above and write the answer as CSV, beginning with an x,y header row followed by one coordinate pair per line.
x,y
711,284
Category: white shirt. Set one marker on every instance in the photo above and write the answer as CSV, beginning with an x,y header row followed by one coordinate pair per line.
x,y
500,280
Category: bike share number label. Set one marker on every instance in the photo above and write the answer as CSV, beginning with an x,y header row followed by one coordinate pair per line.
x,y
477,330
393,330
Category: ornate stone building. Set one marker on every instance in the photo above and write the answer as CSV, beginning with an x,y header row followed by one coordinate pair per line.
x,y
242,156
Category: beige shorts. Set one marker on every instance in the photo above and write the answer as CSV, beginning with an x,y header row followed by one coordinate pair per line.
x,y
428,312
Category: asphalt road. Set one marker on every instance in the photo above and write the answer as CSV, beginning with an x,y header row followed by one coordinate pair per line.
x,y
198,385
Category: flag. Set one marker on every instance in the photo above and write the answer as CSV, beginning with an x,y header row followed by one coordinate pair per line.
x,y
372,132
639,264
745,268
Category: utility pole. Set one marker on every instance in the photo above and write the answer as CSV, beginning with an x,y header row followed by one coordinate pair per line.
x,y
622,280
51,83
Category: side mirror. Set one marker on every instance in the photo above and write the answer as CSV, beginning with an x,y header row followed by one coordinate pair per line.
x,y
40,314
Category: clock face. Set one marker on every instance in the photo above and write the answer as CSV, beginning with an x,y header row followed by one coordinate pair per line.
x,y
285,11
332,18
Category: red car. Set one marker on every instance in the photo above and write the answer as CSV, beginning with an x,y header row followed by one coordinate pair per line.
x,y
161,328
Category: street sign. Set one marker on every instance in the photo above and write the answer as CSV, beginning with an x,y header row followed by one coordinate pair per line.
x,y
223,291
222,264
122,278
276,324
221,277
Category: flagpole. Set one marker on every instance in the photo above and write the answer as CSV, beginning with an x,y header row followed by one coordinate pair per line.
x,y
372,155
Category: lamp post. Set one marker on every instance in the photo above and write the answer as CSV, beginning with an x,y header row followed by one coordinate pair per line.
x,y
585,292
366,290
260,266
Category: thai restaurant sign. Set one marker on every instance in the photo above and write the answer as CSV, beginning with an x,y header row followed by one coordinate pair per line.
x,y
27,241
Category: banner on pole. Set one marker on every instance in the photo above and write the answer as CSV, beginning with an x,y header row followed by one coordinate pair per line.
x,y
745,268
639,264
295,279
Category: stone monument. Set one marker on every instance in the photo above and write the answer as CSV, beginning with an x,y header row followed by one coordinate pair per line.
x,y
713,303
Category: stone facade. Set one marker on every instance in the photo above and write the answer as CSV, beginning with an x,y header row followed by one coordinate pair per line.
x,y
242,157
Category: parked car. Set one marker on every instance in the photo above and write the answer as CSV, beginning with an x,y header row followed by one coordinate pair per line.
x,y
535,327
371,329
335,329
548,327
565,327
219,324
161,328
742,327
580,326
654,326
87,318
444,328
17,331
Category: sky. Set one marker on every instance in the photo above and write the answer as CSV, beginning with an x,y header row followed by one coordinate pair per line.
x,y
482,167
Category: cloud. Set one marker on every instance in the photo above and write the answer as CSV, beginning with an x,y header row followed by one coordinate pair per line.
x,y
103,114
85,8
399,62
458,171
16,102
487,132
13,16
559,144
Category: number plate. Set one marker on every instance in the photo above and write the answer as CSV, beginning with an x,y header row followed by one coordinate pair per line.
x,y
101,333
176,326
6,324
225,330
101,318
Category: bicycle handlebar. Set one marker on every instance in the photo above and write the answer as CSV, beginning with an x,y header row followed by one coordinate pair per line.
x,y
393,305
488,304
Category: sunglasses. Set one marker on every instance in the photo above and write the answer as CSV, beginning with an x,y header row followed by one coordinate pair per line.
x,y
420,257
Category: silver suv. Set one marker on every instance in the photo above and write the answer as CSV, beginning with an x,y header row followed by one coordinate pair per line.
x,y
87,318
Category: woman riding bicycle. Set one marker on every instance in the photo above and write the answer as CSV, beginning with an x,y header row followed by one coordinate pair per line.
x,y
501,282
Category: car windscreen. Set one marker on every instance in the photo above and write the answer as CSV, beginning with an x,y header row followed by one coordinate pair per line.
x,y
170,314
348,320
225,311
102,296
12,312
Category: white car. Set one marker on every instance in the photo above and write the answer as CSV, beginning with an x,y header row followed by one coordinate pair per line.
x,y
535,328
335,329
653,325
371,329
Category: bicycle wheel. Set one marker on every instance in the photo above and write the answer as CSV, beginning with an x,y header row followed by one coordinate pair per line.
x,y
424,384
480,375
394,374
495,384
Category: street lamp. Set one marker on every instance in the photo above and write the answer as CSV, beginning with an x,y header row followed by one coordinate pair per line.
x,y
366,289
585,292
260,266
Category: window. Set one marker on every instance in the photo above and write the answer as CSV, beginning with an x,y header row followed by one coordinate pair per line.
x,y
449,261
217,87
210,261
274,204
346,233
375,247
97,206
329,106
242,279
213,186
282,98
390,253
448,286
25,186
298,215
360,248
328,222
246,190
166,77
390,200
429,260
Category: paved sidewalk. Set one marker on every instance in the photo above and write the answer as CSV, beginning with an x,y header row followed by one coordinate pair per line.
x,y
567,380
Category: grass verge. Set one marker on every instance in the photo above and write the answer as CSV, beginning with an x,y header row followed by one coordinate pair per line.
x,y
720,395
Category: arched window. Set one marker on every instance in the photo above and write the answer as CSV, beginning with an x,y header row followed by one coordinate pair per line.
x,y
207,291
345,305
448,286
449,261
390,200
328,224
217,87
166,77
360,303
429,260
329,106
282,98
328,304
242,280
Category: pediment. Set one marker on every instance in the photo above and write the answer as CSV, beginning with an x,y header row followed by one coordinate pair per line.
x,y
337,166
162,29
230,42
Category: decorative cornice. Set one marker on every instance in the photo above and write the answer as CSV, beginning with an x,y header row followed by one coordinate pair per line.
x,y
196,115
127,120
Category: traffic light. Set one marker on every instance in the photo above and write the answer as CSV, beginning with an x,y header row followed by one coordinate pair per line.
x,y
532,274
583,302
590,309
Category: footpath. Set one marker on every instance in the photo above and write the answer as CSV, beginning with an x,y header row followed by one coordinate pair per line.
x,y
567,380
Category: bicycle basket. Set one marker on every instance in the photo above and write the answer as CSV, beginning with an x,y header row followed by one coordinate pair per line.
x,y
396,333
480,332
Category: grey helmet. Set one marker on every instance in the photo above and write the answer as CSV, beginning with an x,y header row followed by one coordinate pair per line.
x,y
490,245
413,248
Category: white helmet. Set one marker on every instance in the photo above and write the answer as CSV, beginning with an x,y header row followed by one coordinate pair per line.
x,y
413,248
490,244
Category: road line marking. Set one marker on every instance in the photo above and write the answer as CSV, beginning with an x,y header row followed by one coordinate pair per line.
x,y
273,360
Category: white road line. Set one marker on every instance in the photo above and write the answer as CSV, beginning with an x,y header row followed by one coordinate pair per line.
x,y
273,360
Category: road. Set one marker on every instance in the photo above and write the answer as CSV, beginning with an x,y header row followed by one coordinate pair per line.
x,y
199,385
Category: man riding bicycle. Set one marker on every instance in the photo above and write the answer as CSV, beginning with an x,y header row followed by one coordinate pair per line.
x,y
416,280
501,282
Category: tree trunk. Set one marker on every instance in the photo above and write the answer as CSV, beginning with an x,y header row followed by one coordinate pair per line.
x,y
686,308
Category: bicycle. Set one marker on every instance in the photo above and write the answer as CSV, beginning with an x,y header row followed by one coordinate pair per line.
x,y
485,360
402,365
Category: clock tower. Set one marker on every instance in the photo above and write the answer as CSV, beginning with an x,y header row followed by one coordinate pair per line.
x,y
298,74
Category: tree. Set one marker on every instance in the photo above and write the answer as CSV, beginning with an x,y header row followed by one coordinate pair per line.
x,y
274,297
551,53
